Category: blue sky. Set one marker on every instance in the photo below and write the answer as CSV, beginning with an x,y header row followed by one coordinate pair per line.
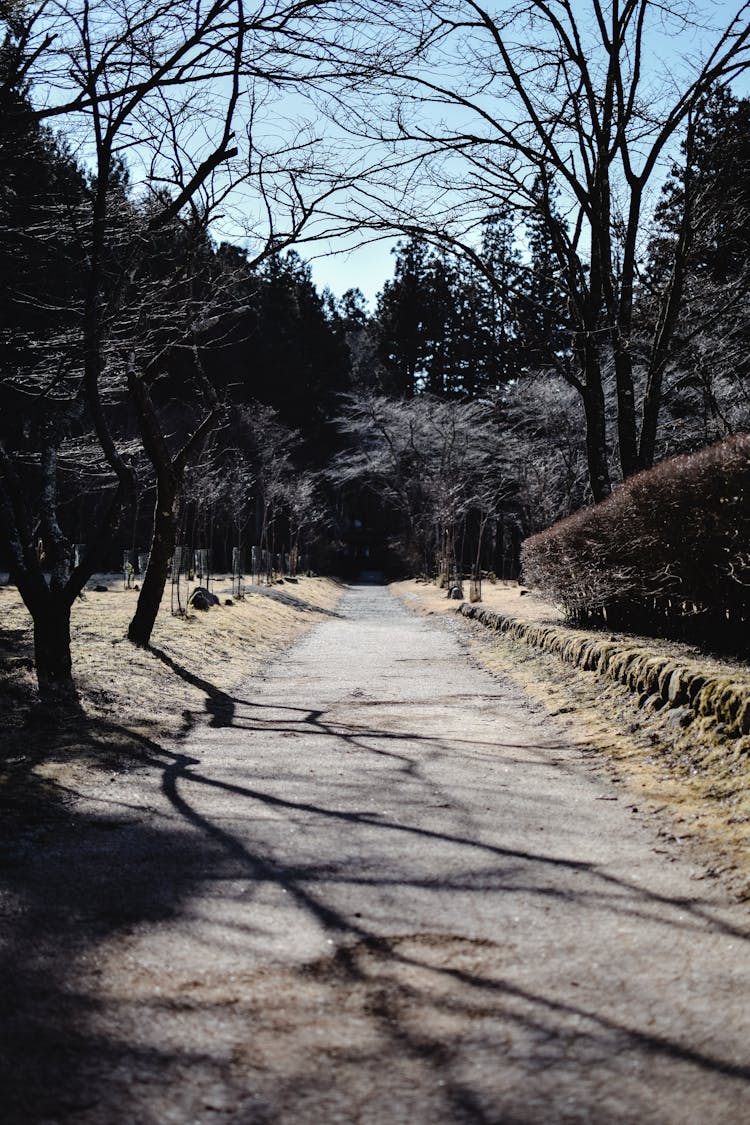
x,y
366,268
348,265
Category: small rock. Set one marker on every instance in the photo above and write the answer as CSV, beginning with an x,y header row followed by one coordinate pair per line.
x,y
202,599
677,687
228,601
679,716
650,703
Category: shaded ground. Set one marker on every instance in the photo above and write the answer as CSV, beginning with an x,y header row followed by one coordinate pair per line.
x,y
376,885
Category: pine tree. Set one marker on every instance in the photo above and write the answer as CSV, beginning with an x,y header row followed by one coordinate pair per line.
x,y
544,317
704,209
715,170
502,262
287,349
401,313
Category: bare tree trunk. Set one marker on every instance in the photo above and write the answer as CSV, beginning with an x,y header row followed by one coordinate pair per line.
x,y
626,419
170,471
667,319
52,658
621,312
596,430
48,603
163,541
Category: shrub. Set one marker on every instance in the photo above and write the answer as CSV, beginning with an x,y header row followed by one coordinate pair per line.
x,y
667,553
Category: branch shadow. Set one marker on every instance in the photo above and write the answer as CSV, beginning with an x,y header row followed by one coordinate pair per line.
x,y
292,600
425,1023
220,706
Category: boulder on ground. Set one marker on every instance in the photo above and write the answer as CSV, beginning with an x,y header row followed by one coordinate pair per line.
x,y
202,598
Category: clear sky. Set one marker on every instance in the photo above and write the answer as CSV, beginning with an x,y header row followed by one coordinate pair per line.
x,y
365,268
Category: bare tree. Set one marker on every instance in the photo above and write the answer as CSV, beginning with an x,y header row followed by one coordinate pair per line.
x,y
271,448
307,515
170,107
219,492
511,103
436,463
544,449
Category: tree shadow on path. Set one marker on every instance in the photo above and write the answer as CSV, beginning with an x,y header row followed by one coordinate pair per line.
x,y
413,1024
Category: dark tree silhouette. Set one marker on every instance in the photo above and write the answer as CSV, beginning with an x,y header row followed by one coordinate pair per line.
x,y
178,90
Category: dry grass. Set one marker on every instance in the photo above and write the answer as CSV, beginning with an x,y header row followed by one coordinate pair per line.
x,y
133,698
502,597
702,796
221,647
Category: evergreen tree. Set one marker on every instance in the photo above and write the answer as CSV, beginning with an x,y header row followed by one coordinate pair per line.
x,y
352,310
447,325
401,313
544,316
502,262
471,353
440,329
715,173
286,348
42,195
705,208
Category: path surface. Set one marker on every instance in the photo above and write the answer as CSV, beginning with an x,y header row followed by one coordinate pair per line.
x,y
378,887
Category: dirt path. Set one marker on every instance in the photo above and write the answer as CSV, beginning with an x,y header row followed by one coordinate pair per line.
x,y
377,887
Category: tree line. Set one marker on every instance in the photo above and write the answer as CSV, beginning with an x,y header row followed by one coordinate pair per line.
x,y
115,290
499,329
549,329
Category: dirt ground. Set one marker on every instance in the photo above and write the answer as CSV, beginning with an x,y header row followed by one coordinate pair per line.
x,y
374,884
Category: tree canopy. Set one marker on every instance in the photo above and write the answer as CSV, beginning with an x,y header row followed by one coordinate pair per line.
x,y
568,301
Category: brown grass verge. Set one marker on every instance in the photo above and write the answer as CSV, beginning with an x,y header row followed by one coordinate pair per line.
x,y
132,698
696,776
502,597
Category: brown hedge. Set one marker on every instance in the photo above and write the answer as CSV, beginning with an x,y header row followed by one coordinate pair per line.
x,y
667,553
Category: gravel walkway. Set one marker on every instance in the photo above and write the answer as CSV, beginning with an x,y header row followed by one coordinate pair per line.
x,y
376,887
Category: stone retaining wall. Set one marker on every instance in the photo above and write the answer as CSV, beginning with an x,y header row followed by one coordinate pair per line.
x,y
658,681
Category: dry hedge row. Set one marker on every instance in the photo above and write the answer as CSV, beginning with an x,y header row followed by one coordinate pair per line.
x,y
668,553
659,681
